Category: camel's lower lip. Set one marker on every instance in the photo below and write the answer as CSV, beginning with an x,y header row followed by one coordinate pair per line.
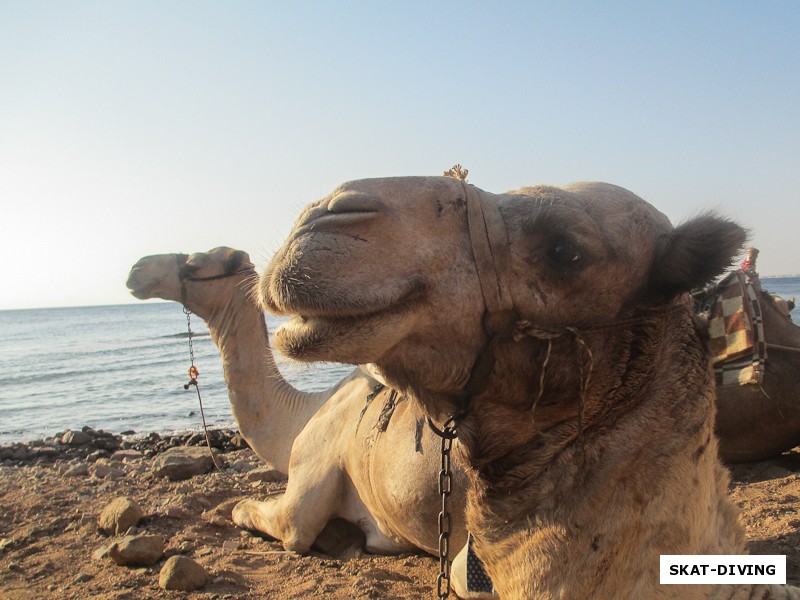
x,y
329,337
316,331
314,338
136,290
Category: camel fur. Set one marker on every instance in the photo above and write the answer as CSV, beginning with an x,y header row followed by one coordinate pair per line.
x,y
341,462
590,445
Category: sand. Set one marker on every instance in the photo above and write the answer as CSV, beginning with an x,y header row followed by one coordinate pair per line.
x,y
51,495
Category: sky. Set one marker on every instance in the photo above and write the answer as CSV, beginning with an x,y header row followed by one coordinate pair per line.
x,y
132,128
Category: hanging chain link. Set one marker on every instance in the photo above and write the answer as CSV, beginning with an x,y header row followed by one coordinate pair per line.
x,y
447,435
193,372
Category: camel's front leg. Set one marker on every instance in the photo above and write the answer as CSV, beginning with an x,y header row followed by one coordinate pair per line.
x,y
296,517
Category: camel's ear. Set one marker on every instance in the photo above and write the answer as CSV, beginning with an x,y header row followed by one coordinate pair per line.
x,y
694,253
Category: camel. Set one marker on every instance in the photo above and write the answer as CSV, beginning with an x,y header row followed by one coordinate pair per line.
x,y
553,327
755,422
343,454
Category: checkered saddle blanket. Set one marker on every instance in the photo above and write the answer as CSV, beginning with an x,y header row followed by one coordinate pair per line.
x,y
735,329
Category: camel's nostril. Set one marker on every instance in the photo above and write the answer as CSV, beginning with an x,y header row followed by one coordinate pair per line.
x,y
351,202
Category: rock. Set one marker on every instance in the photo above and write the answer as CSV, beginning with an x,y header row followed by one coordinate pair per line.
x,y
83,577
94,456
108,442
237,441
126,455
137,550
102,470
265,474
175,512
47,452
20,452
76,438
184,488
79,470
196,439
243,465
121,514
183,574
230,545
218,521
183,462
100,553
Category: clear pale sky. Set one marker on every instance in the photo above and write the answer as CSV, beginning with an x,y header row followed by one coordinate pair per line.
x,y
144,127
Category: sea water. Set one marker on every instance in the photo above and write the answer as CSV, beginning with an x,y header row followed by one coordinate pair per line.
x,y
118,368
123,368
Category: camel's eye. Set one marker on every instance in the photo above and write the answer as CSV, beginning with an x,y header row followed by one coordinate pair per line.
x,y
564,253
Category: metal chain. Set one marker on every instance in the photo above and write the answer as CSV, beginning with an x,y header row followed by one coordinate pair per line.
x,y
193,375
448,434
188,314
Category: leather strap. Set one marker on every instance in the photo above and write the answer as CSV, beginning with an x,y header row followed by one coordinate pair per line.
x,y
490,247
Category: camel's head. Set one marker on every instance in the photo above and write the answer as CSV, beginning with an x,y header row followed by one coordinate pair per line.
x,y
384,271
202,280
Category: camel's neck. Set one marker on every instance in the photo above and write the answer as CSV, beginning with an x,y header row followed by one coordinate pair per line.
x,y
545,393
602,478
270,412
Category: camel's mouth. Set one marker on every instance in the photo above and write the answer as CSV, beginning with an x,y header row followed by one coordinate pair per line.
x,y
320,334
137,289
320,338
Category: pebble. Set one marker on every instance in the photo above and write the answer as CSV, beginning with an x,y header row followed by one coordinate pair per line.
x,y
19,453
119,515
126,455
184,488
183,462
75,438
243,465
83,577
183,574
90,445
138,550
174,512
218,521
106,471
100,553
80,470
94,456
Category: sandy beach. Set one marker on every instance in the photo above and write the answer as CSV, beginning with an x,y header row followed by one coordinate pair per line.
x,y
53,491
